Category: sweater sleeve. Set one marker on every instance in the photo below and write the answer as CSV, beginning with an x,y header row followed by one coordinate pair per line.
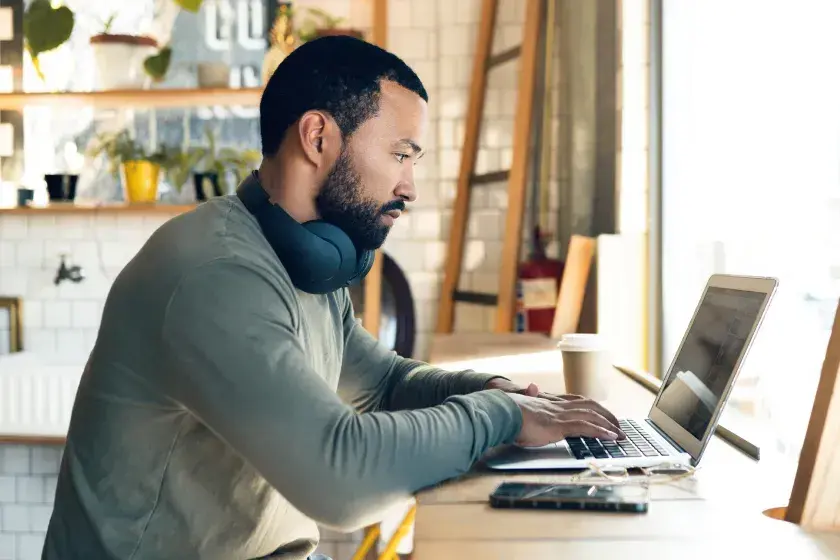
x,y
374,377
235,361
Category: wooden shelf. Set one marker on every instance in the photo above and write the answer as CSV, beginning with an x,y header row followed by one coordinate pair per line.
x,y
32,440
147,98
102,208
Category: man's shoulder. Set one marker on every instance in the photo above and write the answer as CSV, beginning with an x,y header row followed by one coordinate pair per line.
x,y
219,232
216,241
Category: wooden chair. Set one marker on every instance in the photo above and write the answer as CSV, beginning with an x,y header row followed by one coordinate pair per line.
x,y
372,535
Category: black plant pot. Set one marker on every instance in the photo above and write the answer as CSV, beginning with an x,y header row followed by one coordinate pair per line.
x,y
206,186
25,196
61,186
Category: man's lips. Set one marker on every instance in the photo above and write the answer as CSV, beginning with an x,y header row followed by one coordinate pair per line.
x,y
393,213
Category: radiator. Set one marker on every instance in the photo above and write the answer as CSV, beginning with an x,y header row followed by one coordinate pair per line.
x,y
36,399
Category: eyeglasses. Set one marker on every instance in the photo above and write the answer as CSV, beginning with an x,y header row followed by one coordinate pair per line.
x,y
666,473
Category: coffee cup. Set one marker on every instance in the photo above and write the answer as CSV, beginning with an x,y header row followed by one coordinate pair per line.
x,y
586,362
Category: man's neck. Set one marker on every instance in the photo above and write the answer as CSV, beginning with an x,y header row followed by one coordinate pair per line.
x,y
297,202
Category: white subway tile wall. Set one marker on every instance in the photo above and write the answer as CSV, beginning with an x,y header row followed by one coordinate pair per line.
x,y
437,39
62,320
27,487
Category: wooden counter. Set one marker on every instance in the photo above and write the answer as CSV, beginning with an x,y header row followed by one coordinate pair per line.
x,y
715,515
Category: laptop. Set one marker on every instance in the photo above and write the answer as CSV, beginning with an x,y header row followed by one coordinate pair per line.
x,y
685,413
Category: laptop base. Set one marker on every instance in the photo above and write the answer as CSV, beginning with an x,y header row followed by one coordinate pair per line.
x,y
561,455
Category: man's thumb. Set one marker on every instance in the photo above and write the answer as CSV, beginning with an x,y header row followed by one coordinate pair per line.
x,y
532,390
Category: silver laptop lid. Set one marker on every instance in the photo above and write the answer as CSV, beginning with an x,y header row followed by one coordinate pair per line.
x,y
708,359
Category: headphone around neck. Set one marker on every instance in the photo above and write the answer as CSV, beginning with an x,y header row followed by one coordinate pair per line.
x,y
319,257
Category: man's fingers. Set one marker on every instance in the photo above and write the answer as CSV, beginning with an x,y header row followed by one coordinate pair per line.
x,y
608,415
582,428
586,404
592,417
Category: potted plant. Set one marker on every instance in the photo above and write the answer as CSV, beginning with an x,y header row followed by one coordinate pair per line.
x,y
214,165
321,24
124,61
120,58
138,169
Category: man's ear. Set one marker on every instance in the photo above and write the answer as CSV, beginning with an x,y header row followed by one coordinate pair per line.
x,y
317,137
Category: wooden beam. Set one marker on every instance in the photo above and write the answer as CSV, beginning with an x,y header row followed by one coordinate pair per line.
x,y
519,167
379,34
469,151
372,312
815,498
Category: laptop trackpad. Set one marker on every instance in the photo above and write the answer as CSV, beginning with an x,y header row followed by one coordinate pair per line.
x,y
508,456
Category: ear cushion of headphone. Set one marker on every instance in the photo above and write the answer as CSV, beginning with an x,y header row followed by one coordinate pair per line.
x,y
365,263
328,270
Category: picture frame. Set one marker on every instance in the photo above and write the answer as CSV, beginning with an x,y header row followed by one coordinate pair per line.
x,y
14,307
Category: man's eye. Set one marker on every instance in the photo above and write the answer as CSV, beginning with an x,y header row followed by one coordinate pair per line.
x,y
401,157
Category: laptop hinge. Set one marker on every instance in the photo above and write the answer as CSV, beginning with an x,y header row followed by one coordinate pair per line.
x,y
665,436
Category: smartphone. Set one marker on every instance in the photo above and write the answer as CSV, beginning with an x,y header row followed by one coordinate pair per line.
x,y
596,497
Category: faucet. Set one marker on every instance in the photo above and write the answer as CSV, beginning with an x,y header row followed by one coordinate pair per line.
x,y
72,273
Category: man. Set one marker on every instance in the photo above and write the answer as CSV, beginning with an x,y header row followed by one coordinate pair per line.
x,y
224,412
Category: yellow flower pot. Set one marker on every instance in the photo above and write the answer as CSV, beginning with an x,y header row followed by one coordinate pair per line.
x,y
140,181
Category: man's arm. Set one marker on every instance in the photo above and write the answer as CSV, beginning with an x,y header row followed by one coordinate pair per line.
x,y
374,377
236,363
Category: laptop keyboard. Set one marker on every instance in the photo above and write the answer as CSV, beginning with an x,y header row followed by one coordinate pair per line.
x,y
638,444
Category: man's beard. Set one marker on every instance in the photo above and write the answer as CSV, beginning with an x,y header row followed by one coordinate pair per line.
x,y
342,204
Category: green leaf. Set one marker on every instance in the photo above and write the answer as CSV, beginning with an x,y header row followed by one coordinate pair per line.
x,y
46,28
190,5
157,65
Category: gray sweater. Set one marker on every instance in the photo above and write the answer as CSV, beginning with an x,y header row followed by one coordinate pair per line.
x,y
223,414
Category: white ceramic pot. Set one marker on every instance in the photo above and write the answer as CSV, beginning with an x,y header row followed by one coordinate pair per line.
x,y
119,61
213,75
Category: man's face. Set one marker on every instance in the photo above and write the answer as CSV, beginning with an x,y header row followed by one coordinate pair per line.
x,y
373,176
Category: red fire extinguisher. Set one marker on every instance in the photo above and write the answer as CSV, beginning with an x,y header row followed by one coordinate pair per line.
x,y
536,287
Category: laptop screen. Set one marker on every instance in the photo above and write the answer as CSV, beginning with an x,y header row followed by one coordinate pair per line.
x,y
707,358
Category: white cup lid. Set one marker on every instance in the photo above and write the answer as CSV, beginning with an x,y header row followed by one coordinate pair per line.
x,y
582,342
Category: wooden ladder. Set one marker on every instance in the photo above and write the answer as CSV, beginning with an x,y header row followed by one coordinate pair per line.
x,y
516,176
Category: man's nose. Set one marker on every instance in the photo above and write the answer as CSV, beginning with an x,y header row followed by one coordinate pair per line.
x,y
406,191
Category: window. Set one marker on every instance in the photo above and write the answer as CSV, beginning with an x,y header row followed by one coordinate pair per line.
x,y
751,185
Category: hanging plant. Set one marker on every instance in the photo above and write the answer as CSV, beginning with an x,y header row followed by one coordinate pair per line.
x,y
46,28
157,65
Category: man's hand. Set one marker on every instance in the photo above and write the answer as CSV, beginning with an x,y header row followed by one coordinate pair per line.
x,y
547,421
531,390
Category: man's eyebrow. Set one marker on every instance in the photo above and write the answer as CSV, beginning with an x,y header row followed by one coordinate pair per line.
x,y
411,145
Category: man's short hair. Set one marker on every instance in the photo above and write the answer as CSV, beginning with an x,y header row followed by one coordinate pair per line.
x,y
337,74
